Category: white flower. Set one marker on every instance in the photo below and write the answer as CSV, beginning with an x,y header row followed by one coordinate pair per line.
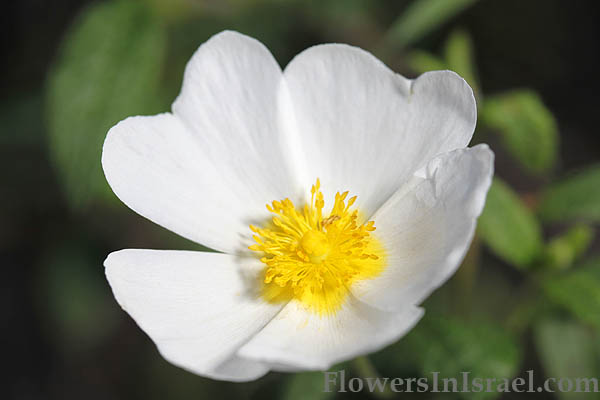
x,y
321,284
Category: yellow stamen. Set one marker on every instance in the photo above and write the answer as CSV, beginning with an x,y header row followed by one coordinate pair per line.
x,y
313,258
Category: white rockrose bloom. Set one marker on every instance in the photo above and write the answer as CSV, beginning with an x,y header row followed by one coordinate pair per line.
x,y
317,276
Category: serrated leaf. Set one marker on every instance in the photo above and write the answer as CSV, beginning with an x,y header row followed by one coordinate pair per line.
x,y
460,59
574,198
508,228
566,350
108,69
527,128
421,17
578,291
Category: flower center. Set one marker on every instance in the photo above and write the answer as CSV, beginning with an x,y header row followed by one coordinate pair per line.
x,y
315,245
313,258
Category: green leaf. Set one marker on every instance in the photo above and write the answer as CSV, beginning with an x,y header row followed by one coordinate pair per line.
x,y
109,68
176,10
422,61
566,350
577,291
459,57
563,250
509,228
422,17
527,128
306,386
574,198
452,346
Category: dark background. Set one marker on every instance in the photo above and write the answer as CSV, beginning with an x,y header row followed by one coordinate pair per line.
x,y
549,46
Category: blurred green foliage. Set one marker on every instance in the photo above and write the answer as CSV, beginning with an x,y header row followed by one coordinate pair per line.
x,y
526,126
78,315
578,291
306,386
423,61
562,251
460,57
453,345
109,69
574,198
421,17
509,228
578,359
529,276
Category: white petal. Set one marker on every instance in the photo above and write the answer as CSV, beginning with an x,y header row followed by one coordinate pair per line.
x,y
302,339
207,171
229,100
427,226
195,306
237,369
364,128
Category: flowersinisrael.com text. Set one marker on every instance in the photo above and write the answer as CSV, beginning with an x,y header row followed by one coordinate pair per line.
x,y
336,381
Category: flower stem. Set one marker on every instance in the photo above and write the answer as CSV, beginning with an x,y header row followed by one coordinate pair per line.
x,y
364,368
527,306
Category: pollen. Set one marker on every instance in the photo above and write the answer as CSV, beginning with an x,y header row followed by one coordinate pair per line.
x,y
315,258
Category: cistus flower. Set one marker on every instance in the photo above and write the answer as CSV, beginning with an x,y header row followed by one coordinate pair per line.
x,y
371,202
